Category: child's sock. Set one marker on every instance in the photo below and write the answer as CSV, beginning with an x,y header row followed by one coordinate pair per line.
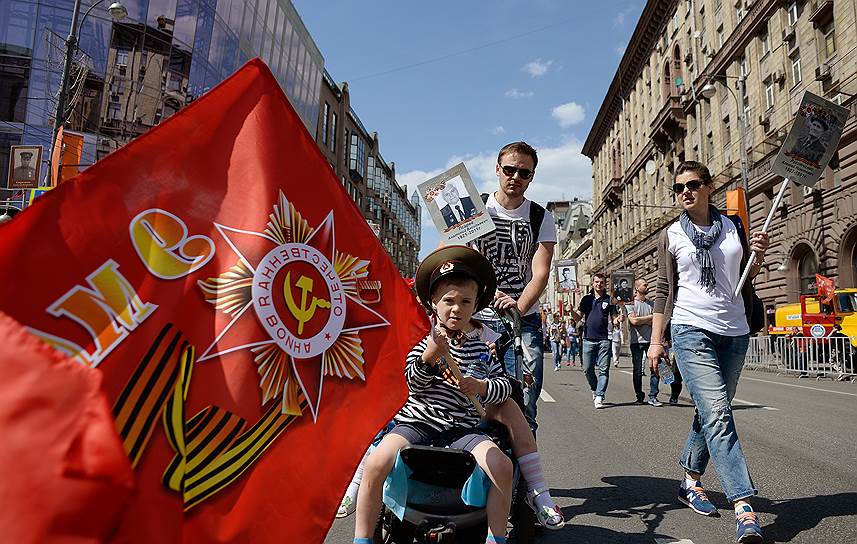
x,y
495,539
365,541
742,508
688,483
531,470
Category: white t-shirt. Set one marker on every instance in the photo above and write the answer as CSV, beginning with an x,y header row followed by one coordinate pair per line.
x,y
511,247
715,311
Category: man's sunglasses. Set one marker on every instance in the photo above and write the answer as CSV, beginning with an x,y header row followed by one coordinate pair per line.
x,y
692,184
523,173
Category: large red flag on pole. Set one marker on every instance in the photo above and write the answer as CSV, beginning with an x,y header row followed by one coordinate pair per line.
x,y
250,328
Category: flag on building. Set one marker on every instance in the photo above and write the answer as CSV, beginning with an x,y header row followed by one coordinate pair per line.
x,y
251,335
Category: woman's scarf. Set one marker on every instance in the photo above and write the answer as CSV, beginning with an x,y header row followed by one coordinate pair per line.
x,y
703,241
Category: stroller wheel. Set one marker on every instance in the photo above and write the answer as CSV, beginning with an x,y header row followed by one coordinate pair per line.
x,y
523,517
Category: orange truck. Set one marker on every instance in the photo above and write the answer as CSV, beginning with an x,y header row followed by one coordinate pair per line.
x,y
810,317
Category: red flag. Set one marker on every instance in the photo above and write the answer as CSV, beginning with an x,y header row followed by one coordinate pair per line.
x,y
63,472
250,327
826,287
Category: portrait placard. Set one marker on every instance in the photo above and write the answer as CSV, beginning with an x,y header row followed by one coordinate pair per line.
x,y
623,285
25,164
566,275
455,206
812,140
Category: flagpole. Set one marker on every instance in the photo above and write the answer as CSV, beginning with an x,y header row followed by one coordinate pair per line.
x,y
774,209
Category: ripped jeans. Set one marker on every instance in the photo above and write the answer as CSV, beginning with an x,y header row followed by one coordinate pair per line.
x,y
710,365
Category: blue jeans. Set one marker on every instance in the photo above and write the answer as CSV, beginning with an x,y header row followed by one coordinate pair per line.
x,y
710,365
533,339
596,355
638,355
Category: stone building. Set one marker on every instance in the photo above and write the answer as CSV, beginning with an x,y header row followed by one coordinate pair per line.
x,y
655,115
355,156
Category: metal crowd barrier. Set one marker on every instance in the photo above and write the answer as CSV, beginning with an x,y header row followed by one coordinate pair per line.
x,y
832,357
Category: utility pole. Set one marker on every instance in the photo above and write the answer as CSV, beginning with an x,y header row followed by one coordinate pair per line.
x,y
742,132
59,115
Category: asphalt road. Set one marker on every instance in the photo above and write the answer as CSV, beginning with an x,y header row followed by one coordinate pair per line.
x,y
614,471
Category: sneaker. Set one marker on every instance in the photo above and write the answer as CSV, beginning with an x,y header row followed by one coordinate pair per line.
x,y
747,528
598,402
673,401
549,518
640,401
655,402
696,498
346,507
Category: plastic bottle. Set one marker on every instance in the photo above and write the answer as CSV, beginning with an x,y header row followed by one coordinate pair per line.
x,y
665,371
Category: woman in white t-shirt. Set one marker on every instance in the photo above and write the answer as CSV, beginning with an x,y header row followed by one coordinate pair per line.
x,y
700,259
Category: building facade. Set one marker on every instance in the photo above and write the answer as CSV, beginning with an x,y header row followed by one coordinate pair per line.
x,y
572,219
655,115
131,74
355,155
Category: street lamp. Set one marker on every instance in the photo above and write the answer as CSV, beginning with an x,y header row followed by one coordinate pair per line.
x,y
117,11
708,92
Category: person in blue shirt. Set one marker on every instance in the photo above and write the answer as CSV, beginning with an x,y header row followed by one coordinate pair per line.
x,y
596,310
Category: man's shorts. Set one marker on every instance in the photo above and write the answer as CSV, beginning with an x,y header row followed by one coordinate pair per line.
x,y
424,435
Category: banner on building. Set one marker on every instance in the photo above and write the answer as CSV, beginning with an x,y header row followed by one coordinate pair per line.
x,y
455,206
25,165
243,326
566,275
812,140
623,285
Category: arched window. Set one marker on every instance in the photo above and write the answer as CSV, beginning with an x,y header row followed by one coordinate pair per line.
x,y
807,269
677,70
848,260
666,82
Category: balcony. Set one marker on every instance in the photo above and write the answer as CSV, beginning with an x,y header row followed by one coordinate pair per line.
x,y
611,196
669,124
820,12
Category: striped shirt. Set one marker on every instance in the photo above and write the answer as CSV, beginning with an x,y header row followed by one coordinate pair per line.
x,y
434,397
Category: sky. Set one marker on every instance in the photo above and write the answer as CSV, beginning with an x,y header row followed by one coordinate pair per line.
x,y
444,82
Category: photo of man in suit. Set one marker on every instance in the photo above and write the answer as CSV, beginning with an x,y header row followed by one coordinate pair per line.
x,y
456,208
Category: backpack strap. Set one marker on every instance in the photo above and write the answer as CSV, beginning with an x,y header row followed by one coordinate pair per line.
x,y
537,216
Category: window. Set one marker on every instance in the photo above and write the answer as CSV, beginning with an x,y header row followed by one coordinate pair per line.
x,y
808,268
828,40
122,57
727,132
765,42
333,132
739,11
324,122
793,14
743,66
796,75
357,155
769,95
720,37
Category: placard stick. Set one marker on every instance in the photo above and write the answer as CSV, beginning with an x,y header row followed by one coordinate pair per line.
x,y
456,371
774,209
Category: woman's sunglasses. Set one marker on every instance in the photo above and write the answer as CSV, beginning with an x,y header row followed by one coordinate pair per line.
x,y
692,184
510,171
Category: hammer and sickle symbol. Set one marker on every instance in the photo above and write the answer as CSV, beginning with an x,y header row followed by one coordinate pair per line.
x,y
302,313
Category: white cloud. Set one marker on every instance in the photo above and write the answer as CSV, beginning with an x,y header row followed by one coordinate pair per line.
x,y
562,173
621,16
568,114
496,131
515,93
537,68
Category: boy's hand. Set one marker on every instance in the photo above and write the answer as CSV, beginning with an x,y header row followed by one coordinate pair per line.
x,y
470,385
437,344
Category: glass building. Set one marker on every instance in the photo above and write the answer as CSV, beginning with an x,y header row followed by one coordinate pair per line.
x,y
131,74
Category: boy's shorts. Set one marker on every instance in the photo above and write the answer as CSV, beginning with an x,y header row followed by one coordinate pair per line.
x,y
424,435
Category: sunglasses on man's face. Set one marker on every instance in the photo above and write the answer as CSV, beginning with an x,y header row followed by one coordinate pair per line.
x,y
692,184
510,171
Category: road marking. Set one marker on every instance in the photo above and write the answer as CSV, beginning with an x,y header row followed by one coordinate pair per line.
x,y
802,386
739,401
672,541
546,397
756,405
